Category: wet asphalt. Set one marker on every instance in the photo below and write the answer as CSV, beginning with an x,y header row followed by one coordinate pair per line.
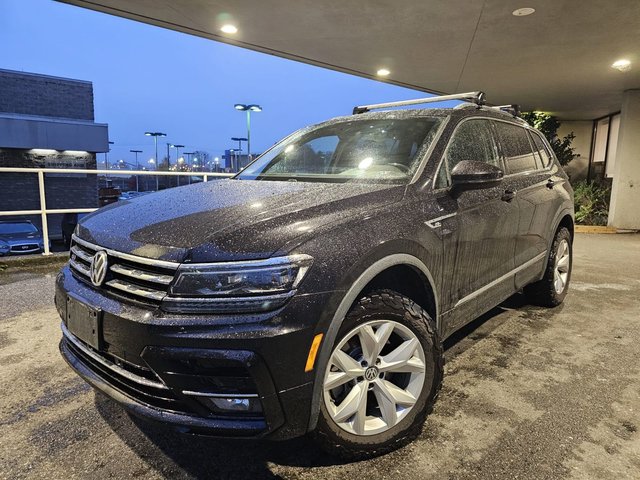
x,y
529,393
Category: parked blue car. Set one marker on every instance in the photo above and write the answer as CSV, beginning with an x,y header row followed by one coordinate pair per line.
x,y
20,237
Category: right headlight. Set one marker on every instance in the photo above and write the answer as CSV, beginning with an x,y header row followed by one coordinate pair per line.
x,y
4,247
237,287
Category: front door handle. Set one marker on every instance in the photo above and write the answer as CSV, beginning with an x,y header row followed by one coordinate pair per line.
x,y
508,195
551,182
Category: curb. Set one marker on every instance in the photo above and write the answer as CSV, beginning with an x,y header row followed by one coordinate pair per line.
x,y
599,229
28,261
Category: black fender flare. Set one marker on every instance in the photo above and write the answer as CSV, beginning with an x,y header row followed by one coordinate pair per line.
x,y
349,297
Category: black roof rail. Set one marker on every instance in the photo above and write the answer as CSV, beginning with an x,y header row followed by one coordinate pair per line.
x,y
474,97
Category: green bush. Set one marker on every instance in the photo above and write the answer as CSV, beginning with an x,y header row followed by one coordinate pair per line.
x,y
548,126
592,203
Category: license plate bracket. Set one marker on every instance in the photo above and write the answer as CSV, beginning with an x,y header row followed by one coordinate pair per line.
x,y
85,322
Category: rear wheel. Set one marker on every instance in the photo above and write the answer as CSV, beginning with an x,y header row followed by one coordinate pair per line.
x,y
551,290
382,377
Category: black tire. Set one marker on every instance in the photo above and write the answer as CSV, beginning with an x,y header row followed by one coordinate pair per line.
x,y
387,305
544,292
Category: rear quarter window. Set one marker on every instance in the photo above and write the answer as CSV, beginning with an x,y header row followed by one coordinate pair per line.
x,y
540,149
516,147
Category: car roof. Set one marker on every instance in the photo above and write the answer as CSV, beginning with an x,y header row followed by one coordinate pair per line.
x,y
461,111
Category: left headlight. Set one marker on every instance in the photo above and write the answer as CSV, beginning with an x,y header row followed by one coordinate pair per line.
x,y
237,287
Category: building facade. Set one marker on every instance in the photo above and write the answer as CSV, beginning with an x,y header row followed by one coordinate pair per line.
x,y
48,122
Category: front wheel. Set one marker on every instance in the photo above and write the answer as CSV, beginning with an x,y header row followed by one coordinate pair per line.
x,y
382,377
551,290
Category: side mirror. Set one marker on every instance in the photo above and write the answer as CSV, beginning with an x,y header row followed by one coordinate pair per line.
x,y
473,175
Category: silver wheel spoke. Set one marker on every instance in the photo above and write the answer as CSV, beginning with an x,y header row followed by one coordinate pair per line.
x,y
563,263
395,393
373,342
403,352
335,379
561,270
369,343
387,404
412,365
347,364
352,403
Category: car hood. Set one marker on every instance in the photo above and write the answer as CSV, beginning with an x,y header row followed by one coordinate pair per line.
x,y
20,237
226,220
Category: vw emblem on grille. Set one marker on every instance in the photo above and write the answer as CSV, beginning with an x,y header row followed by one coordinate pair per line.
x,y
98,270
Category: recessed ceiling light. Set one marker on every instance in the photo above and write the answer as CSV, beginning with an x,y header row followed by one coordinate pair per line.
x,y
383,72
523,12
229,28
623,65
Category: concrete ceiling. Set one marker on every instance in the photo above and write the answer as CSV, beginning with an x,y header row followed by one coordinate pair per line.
x,y
556,60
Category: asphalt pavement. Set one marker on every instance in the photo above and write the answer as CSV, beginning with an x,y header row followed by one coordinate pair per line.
x,y
529,393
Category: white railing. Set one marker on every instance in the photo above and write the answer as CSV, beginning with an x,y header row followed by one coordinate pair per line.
x,y
43,211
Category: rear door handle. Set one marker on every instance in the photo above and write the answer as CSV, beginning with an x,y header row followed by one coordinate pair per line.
x,y
508,195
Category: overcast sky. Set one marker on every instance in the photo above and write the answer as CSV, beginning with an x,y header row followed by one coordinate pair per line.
x,y
149,78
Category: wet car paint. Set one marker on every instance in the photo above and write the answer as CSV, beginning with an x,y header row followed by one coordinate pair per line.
x,y
462,242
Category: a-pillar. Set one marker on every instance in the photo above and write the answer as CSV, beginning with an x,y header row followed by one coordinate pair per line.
x,y
624,211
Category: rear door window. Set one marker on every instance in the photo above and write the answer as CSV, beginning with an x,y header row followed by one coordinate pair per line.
x,y
472,140
516,148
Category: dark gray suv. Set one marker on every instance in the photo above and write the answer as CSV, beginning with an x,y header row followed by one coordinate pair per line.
x,y
312,292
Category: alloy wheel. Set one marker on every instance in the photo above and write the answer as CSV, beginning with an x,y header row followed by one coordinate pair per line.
x,y
562,264
374,377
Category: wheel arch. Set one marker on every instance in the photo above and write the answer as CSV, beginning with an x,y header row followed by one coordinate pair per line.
x,y
370,279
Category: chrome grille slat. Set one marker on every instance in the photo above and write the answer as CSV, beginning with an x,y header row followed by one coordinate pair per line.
x,y
79,267
149,278
126,256
141,275
136,290
81,254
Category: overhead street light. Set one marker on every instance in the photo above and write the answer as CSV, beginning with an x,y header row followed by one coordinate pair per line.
x,y
177,147
137,167
248,108
155,136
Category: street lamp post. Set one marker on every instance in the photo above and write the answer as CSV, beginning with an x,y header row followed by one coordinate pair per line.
x,y
188,154
136,152
177,147
240,140
155,136
248,108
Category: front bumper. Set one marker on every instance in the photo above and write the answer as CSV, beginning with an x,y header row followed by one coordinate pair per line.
x,y
167,368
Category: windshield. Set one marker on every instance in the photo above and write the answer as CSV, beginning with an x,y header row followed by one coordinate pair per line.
x,y
18,227
351,151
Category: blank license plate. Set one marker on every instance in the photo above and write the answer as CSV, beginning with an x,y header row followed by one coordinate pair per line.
x,y
84,322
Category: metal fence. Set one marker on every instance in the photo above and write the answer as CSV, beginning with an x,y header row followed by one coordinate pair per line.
x,y
43,211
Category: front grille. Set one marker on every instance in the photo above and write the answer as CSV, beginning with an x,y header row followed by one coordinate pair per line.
x,y
138,278
25,247
136,382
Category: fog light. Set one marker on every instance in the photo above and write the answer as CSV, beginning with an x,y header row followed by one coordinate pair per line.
x,y
237,405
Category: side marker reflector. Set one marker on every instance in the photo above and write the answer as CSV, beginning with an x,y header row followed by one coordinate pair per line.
x,y
313,351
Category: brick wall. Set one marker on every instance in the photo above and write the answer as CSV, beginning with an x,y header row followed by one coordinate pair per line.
x,y
31,94
19,191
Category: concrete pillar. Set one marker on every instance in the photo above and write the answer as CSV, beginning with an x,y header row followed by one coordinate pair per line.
x,y
625,194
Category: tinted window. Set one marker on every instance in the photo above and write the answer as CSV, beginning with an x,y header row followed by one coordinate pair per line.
x,y
540,149
472,140
516,147
348,151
